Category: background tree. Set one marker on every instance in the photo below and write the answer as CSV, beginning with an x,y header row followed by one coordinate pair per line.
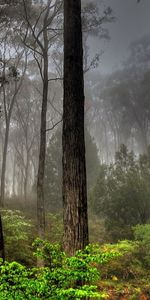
x,y
38,38
121,194
116,111
10,86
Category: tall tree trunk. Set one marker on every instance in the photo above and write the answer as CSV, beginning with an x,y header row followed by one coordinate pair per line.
x,y
74,167
4,164
41,168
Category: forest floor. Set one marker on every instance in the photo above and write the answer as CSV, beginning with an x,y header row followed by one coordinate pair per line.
x,y
126,290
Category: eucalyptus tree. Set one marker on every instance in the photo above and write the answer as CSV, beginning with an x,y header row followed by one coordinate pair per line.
x,y
24,136
42,24
74,168
13,68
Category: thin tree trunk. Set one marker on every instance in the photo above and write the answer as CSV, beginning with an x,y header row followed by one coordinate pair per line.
x,y
14,175
3,174
74,169
2,249
26,178
21,182
7,119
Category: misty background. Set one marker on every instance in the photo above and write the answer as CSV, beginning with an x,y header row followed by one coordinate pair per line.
x,y
132,22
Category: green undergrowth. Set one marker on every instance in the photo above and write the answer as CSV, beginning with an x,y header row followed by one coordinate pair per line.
x,y
102,271
62,278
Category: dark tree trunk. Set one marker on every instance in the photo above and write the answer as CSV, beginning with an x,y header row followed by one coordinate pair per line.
x,y
74,170
41,168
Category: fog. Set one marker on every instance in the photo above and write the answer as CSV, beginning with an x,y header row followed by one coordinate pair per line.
x,y
132,22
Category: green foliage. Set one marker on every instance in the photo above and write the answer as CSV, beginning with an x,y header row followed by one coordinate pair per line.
x,y
51,253
62,278
121,194
17,236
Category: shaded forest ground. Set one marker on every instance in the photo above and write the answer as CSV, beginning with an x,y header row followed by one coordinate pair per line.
x,y
125,277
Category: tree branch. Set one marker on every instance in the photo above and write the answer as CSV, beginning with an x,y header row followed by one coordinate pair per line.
x,y
54,125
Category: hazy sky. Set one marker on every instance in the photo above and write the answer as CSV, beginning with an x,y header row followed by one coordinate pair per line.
x,y
133,21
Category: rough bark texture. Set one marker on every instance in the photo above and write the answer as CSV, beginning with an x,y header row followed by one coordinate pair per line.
x,y
74,170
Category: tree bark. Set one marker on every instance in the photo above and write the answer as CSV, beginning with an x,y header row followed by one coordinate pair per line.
x,y
74,167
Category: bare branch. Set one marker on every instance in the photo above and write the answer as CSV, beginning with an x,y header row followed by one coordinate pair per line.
x,y
55,79
39,65
30,26
38,18
54,125
51,18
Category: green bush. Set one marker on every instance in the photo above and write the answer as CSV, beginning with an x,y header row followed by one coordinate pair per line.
x,y
63,278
